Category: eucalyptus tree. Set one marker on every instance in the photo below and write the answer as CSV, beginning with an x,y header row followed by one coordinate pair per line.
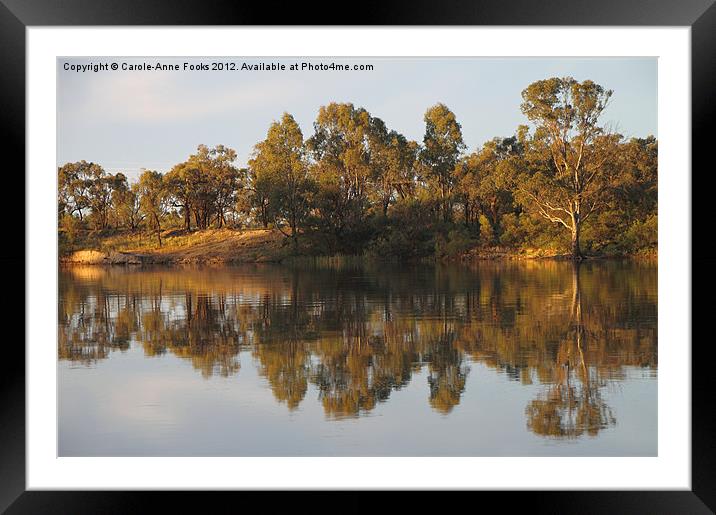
x,y
340,156
181,182
578,153
392,162
74,181
100,191
636,186
154,200
341,141
225,179
280,174
442,146
484,183
126,208
204,185
85,188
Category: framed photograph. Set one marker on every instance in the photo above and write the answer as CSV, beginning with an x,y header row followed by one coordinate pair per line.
x,y
441,248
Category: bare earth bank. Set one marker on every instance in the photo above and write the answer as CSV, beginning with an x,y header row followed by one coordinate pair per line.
x,y
208,246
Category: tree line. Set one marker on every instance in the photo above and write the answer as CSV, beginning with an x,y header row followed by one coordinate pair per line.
x,y
565,182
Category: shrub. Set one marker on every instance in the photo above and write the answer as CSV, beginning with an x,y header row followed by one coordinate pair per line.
x,y
70,231
513,233
408,233
458,241
641,234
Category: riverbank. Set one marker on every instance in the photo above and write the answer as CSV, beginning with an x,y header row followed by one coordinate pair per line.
x,y
184,247
217,246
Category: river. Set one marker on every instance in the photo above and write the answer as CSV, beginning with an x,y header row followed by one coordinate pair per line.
x,y
350,358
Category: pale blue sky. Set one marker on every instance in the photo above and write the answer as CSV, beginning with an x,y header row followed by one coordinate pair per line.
x,y
126,120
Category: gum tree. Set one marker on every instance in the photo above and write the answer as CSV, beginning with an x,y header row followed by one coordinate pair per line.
x,y
574,179
279,166
442,146
153,200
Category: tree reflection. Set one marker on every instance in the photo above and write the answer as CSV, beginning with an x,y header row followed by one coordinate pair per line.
x,y
447,371
572,403
356,334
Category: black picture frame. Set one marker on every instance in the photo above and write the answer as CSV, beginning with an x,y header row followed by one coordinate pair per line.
x,y
17,15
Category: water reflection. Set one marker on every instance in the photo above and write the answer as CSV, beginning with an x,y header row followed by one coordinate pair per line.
x,y
357,333
572,403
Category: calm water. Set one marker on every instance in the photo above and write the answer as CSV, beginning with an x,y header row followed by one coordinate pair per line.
x,y
492,359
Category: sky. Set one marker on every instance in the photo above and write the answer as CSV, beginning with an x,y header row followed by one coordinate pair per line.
x,y
126,120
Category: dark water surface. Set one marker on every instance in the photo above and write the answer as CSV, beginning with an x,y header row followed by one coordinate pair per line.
x,y
492,359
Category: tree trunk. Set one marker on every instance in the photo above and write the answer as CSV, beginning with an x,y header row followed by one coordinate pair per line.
x,y
159,229
495,222
443,201
578,321
264,216
496,230
576,295
576,251
294,233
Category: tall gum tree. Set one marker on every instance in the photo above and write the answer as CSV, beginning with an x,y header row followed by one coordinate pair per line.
x,y
574,181
154,200
392,163
279,165
442,146
75,181
484,180
341,152
181,181
205,185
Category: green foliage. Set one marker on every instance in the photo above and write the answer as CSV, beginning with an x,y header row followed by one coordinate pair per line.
x,y
485,180
85,188
70,230
409,232
571,157
512,230
442,146
636,236
154,200
279,173
457,242
487,233
204,186
641,235
126,207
